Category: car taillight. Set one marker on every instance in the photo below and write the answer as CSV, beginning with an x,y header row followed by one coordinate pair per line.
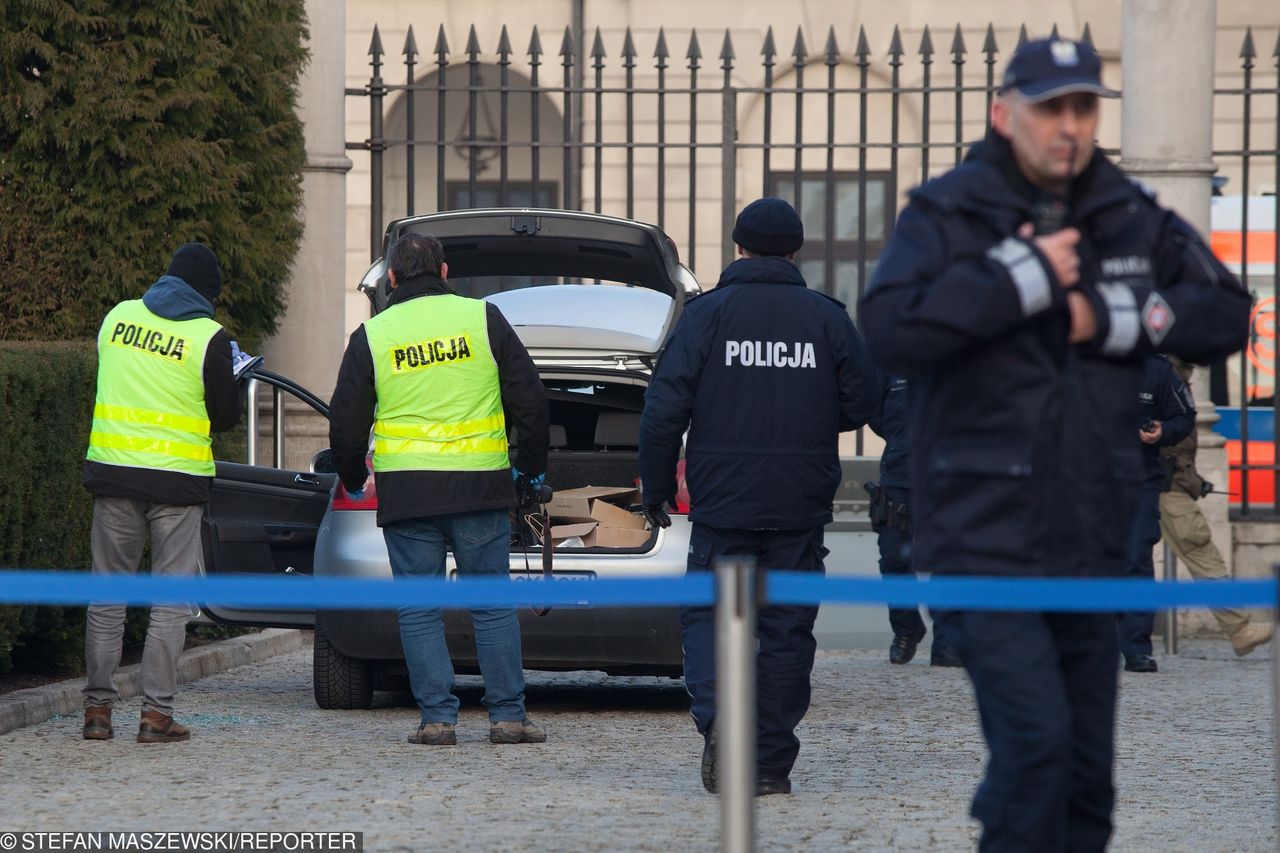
x,y
682,489
342,500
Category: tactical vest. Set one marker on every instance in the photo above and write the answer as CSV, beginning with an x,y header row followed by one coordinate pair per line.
x,y
150,408
439,399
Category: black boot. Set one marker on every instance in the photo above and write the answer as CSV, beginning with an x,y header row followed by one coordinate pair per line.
x,y
903,648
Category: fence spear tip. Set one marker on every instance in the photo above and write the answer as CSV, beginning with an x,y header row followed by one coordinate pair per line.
x,y
895,45
410,45
566,45
1276,52
473,44
1053,33
1022,38
989,46
628,49
769,50
375,45
694,53
660,51
926,44
442,45
597,48
957,44
832,50
1246,50
801,50
1086,36
726,50
504,43
863,51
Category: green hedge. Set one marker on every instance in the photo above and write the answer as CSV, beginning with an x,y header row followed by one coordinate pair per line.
x,y
128,128
46,403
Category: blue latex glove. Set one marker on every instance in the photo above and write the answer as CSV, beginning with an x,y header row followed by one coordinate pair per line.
x,y
516,474
240,360
357,495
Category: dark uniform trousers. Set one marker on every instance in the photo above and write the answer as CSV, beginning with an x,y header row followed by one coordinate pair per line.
x,y
1046,691
784,659
895,559
1144,533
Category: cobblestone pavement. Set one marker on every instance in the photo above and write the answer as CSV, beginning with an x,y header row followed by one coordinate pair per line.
x,y
889,760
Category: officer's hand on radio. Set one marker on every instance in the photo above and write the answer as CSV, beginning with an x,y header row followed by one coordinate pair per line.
x,y
1150,432
656,515
1059,249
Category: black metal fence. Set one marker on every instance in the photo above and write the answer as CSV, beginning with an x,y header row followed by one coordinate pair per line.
x,y
1245,238
678,138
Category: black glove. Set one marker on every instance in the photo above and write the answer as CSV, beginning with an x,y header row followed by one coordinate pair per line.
x,y
531,491
656,515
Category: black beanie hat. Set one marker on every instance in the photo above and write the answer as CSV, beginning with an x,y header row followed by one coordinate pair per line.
x,y
197,265
769,226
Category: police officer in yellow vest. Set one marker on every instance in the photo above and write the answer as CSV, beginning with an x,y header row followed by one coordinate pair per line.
x,y
439,377
165,382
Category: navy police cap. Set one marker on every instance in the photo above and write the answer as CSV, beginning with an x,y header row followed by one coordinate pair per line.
x,y
1048,68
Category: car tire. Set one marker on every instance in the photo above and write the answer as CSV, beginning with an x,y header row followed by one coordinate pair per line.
x,y
339,682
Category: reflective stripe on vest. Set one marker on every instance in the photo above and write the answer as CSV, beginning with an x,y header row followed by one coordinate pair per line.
x,y
150,410
439,399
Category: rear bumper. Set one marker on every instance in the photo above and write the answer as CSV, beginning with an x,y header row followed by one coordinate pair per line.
x,y
635,640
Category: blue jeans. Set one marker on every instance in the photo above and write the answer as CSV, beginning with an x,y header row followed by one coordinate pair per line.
x,y
481,543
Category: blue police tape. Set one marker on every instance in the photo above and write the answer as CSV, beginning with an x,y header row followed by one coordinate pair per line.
x,y
79,588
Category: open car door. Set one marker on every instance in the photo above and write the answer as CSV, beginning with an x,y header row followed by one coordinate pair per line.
x,y
262,521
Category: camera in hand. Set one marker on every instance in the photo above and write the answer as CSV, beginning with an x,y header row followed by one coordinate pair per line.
x,y
530,495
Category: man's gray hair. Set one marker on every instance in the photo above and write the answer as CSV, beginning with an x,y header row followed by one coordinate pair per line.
x,y
415,254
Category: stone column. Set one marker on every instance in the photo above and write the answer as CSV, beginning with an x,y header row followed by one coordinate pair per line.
x,y
308,344
1167,77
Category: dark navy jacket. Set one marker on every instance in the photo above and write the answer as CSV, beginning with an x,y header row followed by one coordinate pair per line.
x,y
1165,398
1024,456
890,423
765,374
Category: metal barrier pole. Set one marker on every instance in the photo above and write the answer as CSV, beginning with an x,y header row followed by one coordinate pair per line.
x,y
1275,699
277,427
251,422
1170,615
736,701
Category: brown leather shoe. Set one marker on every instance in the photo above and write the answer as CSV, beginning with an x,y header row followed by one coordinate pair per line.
x,y
97,722
1252,635
161,728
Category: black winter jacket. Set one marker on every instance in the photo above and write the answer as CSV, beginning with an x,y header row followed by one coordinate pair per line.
x,y
1165,398
420,494
765,374
1024,457
890,423
172,298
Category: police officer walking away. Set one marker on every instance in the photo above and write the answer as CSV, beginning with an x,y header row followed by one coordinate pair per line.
x,y
765,374
1020,293
1187,532
1167,417
165,382
891,521
439,376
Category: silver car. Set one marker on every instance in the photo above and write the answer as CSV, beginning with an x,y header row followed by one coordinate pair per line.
x,y
593,298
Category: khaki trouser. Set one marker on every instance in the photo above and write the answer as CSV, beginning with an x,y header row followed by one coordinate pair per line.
x,y
120,528
1186,530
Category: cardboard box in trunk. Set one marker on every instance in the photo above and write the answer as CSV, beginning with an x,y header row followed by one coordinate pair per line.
x,y
597,535
602,504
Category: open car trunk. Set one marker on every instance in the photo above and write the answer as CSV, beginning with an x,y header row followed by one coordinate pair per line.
x,y
595,435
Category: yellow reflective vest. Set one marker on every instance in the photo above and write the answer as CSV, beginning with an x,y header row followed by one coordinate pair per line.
x,y
150,407
439,399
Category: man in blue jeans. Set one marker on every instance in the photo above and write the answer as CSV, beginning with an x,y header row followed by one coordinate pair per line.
x,y
439,377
